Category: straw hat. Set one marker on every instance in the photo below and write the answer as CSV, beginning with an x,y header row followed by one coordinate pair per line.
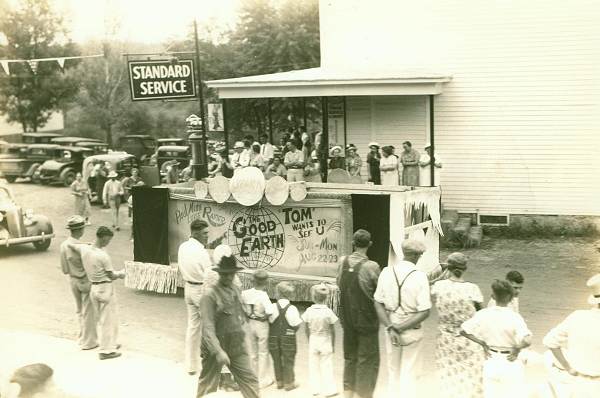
x,y
200,189
247,186
277,190
337,147
594,284
239,144
113,174
298,191
75,222
373,143
218,188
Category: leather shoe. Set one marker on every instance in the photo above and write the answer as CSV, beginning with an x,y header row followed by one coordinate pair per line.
x,y
291,387
90,348
110,355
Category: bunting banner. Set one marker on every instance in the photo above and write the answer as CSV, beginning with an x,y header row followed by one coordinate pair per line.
x,y
33,63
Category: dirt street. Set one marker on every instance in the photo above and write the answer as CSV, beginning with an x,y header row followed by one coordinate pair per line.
x,y
35,294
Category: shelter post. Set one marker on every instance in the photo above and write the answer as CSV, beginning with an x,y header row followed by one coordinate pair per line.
x,y
325,137
304,116
225,125
198,141
431,141
270,114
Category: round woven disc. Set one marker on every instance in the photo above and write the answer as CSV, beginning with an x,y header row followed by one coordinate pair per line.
x,y
338,176
277,190
200,189
218,188
247,186
298,191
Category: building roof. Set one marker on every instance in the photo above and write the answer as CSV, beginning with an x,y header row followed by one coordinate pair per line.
x,y
317,82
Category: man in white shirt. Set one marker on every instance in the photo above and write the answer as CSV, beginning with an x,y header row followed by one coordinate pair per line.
x,y
241,157
111,196
266,149
258,307
516,280
194,263
402,302
575,346
425,168
503,334
294,163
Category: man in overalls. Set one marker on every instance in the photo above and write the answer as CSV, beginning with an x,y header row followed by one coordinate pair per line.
x,y
357,280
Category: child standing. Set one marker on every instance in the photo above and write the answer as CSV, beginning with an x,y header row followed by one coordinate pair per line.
x,y
258,307
320,320
285,321
516,280
503,334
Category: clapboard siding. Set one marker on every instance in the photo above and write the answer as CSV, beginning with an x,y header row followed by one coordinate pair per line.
x,y
518,127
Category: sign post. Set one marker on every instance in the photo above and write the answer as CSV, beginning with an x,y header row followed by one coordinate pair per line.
x,y
199,163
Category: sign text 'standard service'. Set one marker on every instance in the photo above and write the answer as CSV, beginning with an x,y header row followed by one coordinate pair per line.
x,y
161,79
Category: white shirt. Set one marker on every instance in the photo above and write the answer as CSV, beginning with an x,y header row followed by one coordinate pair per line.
x,y
425,171
292,316
259,300
415,291
579,338
193,260
239,160
513,305
112,188
267,151
319,318
499,327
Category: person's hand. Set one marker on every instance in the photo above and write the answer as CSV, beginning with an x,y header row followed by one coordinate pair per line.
x,y
514,354
572,371
222,358
486,350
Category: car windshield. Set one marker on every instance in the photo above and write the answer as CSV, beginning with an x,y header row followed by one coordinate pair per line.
x,y
149,143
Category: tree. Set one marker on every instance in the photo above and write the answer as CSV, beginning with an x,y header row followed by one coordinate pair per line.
x,y
29,97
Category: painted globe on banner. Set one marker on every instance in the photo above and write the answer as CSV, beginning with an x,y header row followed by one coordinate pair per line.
x,y
256,237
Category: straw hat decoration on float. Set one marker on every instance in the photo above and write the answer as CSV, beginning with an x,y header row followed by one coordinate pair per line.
x,y
248,187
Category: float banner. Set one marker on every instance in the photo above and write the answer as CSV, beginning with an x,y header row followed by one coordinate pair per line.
x,y
301,238
161,79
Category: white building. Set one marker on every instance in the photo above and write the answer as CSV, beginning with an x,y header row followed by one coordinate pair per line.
x,y
514,85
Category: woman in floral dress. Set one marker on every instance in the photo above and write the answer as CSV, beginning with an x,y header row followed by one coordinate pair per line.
x,y
459,360
81,192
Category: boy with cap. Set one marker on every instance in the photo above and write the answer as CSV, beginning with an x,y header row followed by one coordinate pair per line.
x,y
503,334
285,321
320,329
258,307
575,347
71,264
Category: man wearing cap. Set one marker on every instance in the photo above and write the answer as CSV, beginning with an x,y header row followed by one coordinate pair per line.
x,y
71,265
194,262
575,346
99,269
294,162
258,307
241,157
223,331
111,196
402,315
373,159
357,279
425,168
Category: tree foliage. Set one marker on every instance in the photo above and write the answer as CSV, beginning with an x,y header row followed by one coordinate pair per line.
x,y
33,30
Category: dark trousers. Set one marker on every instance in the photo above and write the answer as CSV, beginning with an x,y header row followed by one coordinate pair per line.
x,y
240,369
361,362
283,351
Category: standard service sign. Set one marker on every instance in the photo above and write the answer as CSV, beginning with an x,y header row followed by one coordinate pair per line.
x,y
162,79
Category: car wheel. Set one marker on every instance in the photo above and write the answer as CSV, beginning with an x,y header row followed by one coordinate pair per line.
x,y
67,177
42,245
10,179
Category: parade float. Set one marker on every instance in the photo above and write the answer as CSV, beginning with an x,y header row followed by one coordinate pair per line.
x,y
298,232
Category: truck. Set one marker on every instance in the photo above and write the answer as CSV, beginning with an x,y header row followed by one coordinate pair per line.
x,y
299,240
140,146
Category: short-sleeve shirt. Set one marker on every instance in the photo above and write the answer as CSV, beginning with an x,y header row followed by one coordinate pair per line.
x,y
96,262
319,318
415,291
71,259
513,304
193,260
259,301
292,315
293,157
499,327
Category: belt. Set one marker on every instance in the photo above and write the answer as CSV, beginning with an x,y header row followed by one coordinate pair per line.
x,y
505,352
100,283
296,167
194,283
78,277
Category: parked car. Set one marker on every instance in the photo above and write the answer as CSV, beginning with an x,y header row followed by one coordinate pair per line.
x,y
26,166
18,227
171,142
121,162
140,146
38,138
98,147
72,141
63,169
168,155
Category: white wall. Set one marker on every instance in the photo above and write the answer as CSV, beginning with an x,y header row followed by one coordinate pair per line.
x,y
54,123
518,128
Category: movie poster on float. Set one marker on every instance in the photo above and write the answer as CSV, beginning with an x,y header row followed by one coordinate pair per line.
x,y
299,238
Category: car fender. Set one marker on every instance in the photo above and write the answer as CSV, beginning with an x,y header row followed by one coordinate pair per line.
x,y
39,224
32,169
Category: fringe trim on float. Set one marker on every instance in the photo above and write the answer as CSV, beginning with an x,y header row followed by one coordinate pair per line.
x,y
430,199
151,277
303,288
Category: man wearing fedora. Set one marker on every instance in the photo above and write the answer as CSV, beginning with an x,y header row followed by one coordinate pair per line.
x,y
111,196
223,333
71,265
575,346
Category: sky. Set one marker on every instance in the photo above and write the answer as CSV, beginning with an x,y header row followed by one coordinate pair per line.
x,y
144,21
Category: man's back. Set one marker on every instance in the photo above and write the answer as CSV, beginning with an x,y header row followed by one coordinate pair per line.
x,y
71,259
